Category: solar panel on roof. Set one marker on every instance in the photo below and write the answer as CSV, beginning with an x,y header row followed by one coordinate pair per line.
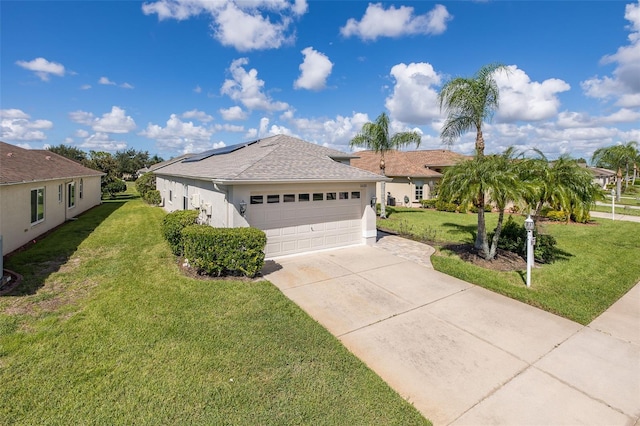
x,y
217,151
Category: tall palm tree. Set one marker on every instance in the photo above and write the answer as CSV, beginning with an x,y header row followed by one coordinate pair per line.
x,y
495,176
375,136
619,158
468,102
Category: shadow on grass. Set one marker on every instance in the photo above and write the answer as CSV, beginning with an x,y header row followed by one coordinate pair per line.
x,y
456,229
36,261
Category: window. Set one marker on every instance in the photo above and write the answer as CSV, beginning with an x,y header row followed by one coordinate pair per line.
x,y
71,195
318,196
273,199
303,197
289,198
37,205
344,195
331,195
355,195
256,199
60,193
170,196
81,189
418,192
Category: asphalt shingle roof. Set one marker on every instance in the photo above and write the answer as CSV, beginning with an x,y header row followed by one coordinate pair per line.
x,y
408,163
19,165
277,158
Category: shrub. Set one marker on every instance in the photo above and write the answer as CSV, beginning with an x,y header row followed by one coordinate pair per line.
x,y
513,238
443,206
557,215
474,209
146,183
429,204
224,251
172,226
114,187
153,197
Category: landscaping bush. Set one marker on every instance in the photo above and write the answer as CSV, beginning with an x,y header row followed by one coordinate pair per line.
x,y
513,238
145,185
114,187
429,204
474,209
224,251
557,215
153,197
443,206
172,226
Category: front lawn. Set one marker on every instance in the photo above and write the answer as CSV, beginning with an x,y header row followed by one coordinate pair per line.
x,y
598,263
105,330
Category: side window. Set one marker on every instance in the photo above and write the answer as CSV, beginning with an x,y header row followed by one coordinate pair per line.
x,y
37,205
71,195
81,188
60,189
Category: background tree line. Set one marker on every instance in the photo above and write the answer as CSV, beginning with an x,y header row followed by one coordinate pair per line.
x,y
123,165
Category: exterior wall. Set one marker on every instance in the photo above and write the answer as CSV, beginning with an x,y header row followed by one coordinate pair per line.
x,y
15,208
402,186
225,201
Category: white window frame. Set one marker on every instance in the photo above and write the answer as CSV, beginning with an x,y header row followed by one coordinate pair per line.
x,y
81,189
71,195
60,193
419,192
38,191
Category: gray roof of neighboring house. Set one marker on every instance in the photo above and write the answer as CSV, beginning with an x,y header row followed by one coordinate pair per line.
x,y
19,165
277,158
157,166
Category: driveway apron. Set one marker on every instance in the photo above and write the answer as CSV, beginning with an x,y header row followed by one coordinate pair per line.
x,y
464,355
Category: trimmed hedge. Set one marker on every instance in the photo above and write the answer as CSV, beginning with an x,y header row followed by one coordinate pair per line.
x,y
224,251
172,226
443,206
429,204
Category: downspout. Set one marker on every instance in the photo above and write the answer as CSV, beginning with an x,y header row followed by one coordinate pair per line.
x,y
226,199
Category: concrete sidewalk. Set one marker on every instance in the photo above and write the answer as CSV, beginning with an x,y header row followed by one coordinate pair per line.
x,y
625,217
464,355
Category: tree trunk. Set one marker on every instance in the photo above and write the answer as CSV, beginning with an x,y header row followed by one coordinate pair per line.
x,y
479,143
481,243
383,201
618,184
496,236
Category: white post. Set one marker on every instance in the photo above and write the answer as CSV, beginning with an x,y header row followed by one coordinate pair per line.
x,y
613,204
529,225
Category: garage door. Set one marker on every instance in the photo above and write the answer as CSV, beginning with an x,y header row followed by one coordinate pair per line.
x,y
300,222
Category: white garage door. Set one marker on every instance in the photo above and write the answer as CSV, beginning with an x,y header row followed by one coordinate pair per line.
x,y
307,221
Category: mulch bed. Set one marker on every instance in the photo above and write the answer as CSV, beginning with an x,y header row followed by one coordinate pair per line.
x,y
504,260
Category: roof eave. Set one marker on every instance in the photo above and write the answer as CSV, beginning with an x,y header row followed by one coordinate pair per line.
x,y
297,181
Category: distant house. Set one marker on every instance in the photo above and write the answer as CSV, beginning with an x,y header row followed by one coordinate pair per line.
x,y
601,177
414,174
40,190
304,196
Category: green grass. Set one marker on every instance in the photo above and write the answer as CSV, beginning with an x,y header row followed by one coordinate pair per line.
x,y
106,330
619,210
598,262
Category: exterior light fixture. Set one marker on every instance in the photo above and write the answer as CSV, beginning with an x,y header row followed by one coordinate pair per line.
x,y
243,208
374,201
529,225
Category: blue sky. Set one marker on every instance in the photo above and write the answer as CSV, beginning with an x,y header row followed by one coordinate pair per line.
x,y
176,76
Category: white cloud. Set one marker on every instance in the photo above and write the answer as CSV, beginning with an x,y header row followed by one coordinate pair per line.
x,y
228,128
85,87
43,68
100,141
16,125
197,89
264,123
246,88
315,69
233,113
245,25
106,81
197,115
522,99
177,134
81,133
414,98
126,86
380,22
115,121
624,84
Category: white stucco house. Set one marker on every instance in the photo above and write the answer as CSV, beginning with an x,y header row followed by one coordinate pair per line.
x,y
304,196
40,190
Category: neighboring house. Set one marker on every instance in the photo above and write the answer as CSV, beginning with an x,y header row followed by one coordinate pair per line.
x,y
304,196
601,177
414,174
157,166
40,190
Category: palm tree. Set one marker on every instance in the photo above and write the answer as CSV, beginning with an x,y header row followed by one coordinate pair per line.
x,y
468,102
375,136
561,184
619,158
495,176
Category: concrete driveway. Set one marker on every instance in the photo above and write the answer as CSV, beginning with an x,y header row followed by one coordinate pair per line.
x,y
464,355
